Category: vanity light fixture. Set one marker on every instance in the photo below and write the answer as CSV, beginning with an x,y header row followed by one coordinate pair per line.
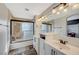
x,y
56,10
42,17
60,7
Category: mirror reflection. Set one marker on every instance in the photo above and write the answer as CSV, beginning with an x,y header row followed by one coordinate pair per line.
x,y
65,21
73,26
45,27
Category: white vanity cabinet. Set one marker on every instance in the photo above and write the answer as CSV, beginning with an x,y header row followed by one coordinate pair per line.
x,y
42,47
48,49
45,49
36,44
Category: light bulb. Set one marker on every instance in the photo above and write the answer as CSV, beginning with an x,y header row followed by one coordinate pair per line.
x,y
58,13
75,6
42,17
60,8
65,10
53,11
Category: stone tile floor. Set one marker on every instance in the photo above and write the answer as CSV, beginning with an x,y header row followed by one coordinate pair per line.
x,y
29,50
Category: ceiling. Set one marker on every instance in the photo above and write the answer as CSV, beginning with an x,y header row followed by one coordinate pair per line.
x,y
19,9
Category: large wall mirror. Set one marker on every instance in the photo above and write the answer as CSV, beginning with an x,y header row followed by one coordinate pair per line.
x,y
73,26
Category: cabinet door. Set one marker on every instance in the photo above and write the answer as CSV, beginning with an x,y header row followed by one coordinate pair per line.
x,y
35,44
42,47
59,53
53,52
48,49
56,52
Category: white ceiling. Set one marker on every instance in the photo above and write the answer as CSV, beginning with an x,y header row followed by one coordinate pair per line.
x,y
18,9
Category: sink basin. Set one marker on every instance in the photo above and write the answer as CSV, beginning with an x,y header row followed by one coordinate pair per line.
x,y
62,46
65,47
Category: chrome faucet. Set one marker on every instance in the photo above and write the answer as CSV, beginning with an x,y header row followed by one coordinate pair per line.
x,y
63,42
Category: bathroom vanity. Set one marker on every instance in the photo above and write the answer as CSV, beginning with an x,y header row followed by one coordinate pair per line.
x,y
46,48
60,49
53,46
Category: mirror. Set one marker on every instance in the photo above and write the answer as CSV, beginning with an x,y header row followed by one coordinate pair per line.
x,y
73,26
46,27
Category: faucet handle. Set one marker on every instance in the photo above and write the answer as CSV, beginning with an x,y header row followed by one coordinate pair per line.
x,y
61,41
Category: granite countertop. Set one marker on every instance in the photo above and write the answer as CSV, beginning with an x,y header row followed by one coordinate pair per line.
x,y
66,49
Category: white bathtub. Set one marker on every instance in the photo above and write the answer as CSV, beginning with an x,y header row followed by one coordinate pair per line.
x,y
21,43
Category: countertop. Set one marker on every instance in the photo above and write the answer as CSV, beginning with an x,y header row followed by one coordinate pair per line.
x,y
66,49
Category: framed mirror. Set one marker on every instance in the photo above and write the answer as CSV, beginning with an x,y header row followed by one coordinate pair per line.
x,y
73,26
